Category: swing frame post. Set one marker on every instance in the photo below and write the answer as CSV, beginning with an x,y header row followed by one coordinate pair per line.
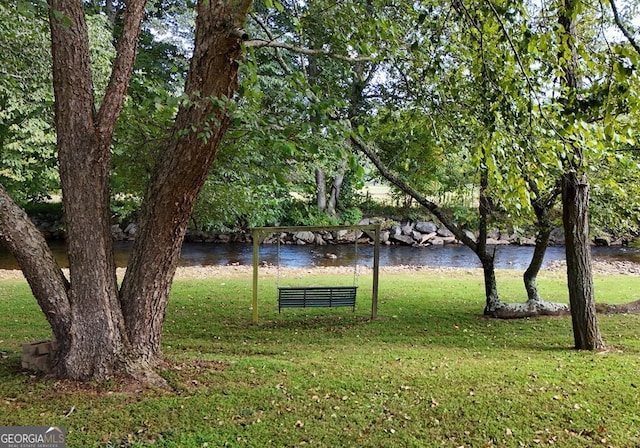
x,y
260,233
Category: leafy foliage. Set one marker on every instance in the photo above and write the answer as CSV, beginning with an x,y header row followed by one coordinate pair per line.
x,y
27,138
27,160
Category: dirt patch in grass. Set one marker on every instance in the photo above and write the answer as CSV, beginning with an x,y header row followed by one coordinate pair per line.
x,y
188,374
193,374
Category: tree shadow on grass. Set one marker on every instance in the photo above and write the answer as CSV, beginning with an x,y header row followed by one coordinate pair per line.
x,y
444,324
315,322
10,363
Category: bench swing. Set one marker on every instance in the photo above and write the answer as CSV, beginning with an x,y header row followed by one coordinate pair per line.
x,y
317,296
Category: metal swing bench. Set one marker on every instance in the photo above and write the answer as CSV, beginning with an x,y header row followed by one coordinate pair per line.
x,y
316,296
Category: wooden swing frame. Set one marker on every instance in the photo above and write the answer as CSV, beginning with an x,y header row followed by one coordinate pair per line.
x,y
260,233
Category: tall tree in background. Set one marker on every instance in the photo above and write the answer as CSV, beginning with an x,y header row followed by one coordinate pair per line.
x,y
318,56
102,329
508,121
460,75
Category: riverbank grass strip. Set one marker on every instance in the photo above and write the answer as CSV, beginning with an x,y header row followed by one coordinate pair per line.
x,y
432,371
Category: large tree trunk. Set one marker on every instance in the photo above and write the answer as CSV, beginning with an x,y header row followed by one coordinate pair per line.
x,y
180,173
96,341
575,215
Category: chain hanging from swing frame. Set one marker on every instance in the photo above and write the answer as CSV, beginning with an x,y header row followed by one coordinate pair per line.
x,y
259,234
355,262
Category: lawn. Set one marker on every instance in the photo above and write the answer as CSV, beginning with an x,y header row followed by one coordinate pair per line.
x,y
432,371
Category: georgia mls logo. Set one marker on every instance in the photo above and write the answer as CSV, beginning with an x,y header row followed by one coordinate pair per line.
x,y
32,437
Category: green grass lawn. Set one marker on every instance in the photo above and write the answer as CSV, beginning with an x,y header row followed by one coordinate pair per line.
x,y
432,371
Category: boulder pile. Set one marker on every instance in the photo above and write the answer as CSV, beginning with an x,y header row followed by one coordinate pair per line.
x,y
418,234
407,233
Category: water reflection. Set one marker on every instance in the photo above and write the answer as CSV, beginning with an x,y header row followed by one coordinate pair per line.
x,y
204,254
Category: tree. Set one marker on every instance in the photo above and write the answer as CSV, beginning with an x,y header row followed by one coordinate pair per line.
x,y
102,329
476,113
500,99
575,198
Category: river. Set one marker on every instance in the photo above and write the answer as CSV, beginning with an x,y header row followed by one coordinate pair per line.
x,y
207,254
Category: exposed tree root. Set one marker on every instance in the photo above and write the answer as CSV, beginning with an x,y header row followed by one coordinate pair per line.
x,y
145,374
537,308
622,308
150,378
543,308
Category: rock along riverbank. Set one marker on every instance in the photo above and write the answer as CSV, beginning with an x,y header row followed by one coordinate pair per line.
x,y
411,233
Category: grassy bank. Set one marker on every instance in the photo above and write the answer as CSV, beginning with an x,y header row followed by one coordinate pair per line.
x,y
430,372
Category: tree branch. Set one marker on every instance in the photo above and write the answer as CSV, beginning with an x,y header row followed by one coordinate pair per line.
x,y
121,71
624,30
36,261
264,27
261,43
415,194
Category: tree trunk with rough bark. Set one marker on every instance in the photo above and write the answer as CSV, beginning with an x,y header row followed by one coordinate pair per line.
x,y
180,173
575,202
575,215
97,343
100,329
321,189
